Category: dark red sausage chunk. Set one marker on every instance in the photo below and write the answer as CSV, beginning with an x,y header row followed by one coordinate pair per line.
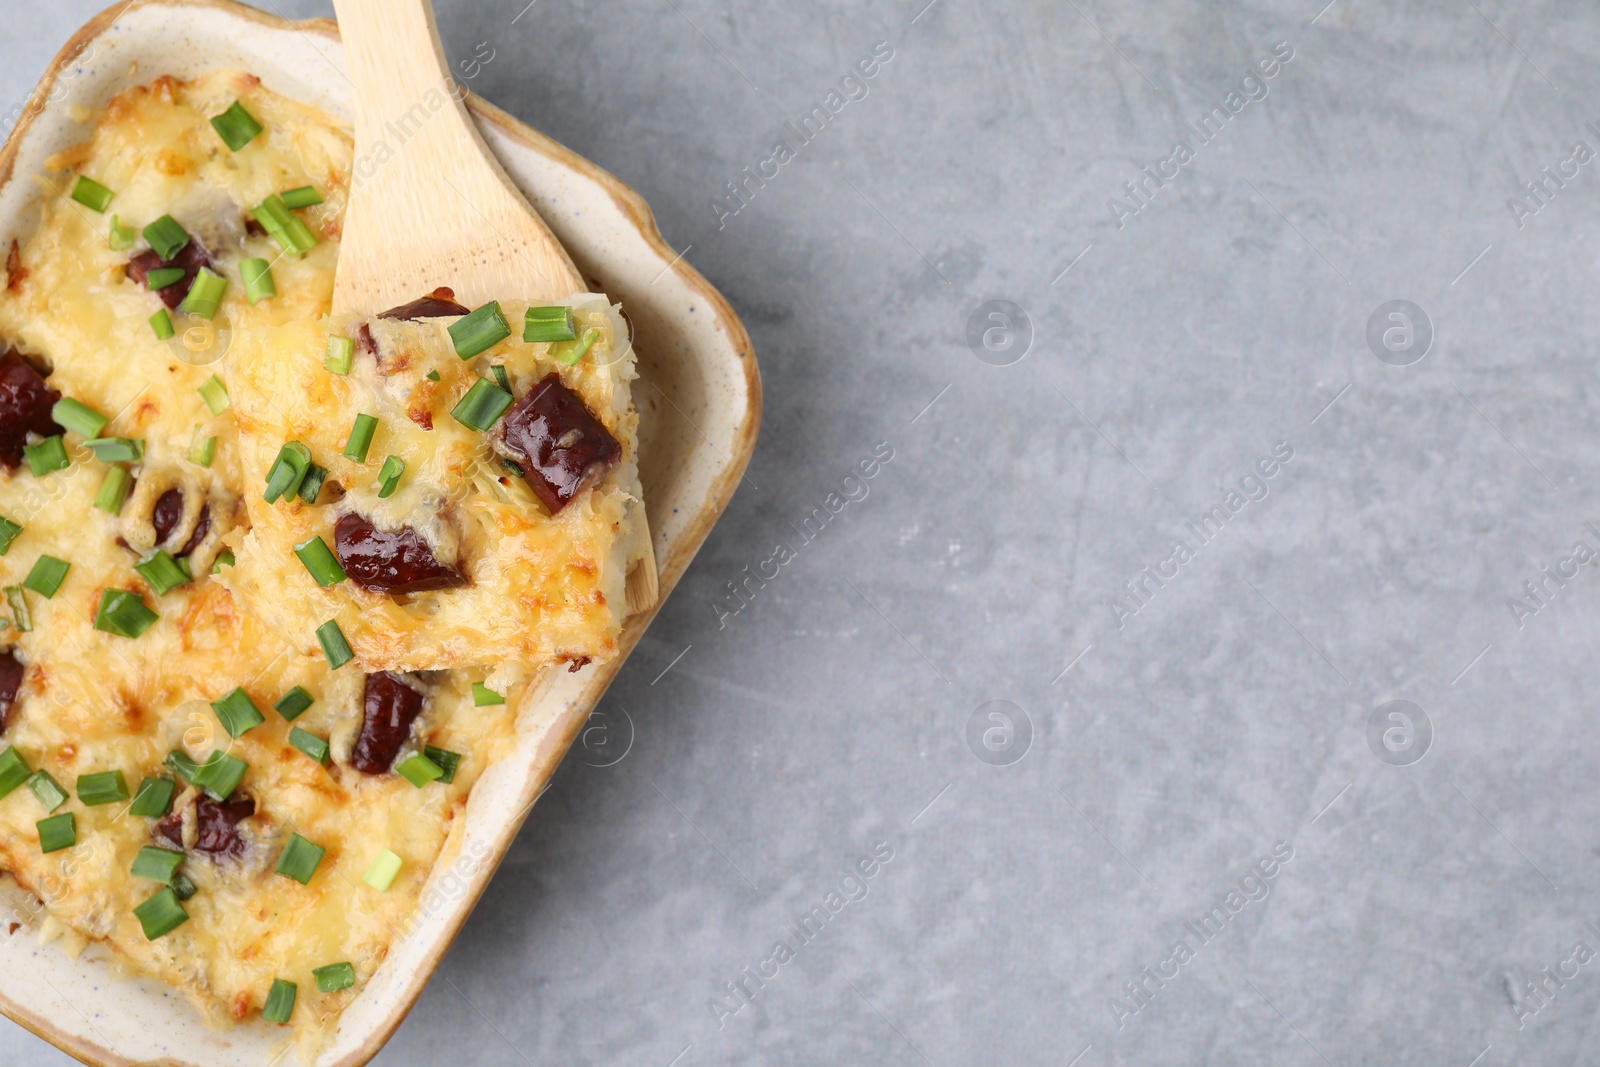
x,y
216,823
439,304
190,259
564,449
385,561
25,403
202,527
167,513
11,672
389,707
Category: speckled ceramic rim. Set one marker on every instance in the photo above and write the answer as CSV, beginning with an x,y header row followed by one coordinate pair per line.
x,y
560,736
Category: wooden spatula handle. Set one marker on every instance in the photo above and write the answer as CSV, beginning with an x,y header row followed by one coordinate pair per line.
x,y
429,204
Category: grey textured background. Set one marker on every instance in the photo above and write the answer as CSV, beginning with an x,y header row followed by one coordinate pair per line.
x,y
1230,713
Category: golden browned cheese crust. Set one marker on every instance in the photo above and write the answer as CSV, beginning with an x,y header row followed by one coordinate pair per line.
x,y
93,701
542,589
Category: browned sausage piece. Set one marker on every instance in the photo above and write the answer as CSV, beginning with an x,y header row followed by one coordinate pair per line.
x,y
216,824
25,403
564,448
11,671
389,707
190,259
385,561
219,824
166,514
202,527
439,304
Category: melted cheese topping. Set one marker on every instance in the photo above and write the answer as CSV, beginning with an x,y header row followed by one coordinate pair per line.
x,y
93,701
545,589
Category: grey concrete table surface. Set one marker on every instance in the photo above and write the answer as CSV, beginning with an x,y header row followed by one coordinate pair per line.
x,y
1182,659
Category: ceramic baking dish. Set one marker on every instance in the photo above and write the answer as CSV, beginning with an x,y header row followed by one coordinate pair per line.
x,y
699,397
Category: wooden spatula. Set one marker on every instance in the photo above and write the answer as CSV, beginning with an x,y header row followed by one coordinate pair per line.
x,y
429,204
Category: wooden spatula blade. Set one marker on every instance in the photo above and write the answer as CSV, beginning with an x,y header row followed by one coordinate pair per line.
x,y
429,204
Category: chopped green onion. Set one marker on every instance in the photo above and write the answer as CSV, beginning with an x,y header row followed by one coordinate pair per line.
x,y
162,277
215,394
272,213
296,238
309,743
305,196
78,417
120,237
114,490
290,231
46,456
320,561
570,352
548,324
293,703
389,476
123,613
448,762
182,888
334,646
8,533
17,600
48,790
280,1001
161,914
46,576
161,323
483,405
220,775
479,331
382,871
360,440
483,696
116,449
258,282
501,377
432,376
154,798
181,765
288,470
91,194
163,573
419,770
156,864
311,484
105,787
14,770
57,832
166,237
341,353
203,451
299,860
224,559
205,295
236,126
334,977
237,713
